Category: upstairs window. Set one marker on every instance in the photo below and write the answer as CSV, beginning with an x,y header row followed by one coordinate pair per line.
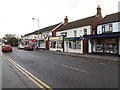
x,y
64,34
75,33
110,27
85,31
107,28
103,28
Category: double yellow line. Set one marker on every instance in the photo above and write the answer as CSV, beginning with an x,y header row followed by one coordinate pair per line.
x,y
34,79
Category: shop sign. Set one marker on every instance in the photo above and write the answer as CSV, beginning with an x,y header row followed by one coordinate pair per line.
x,y
56,38
33,40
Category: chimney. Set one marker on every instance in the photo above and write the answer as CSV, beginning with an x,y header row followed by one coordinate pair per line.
x,y
65,20
99,11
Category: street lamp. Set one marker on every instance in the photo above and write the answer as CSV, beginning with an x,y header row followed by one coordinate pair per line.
x,y
38,29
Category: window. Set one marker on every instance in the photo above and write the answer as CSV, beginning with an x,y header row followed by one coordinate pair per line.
x,y
59,44
110,27
103,28
85,31
52,44
64,34
75,33
107,28
75,44
78,44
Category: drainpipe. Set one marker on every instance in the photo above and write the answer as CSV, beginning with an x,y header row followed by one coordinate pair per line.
x,y
63,44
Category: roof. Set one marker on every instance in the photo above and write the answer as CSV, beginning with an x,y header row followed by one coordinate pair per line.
x,y
78,23
110,18
49,28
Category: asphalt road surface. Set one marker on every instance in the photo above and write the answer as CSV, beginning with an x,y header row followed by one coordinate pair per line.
x,y
61,71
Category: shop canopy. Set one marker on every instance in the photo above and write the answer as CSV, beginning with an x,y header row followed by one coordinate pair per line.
x,y
73,38
102,35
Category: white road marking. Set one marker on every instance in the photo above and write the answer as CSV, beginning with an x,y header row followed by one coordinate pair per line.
x,y
103,63
70,67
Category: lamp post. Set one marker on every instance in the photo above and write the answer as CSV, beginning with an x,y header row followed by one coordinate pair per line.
x,y
38,30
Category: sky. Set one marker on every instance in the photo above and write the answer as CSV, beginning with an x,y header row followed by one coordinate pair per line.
x,y
16,15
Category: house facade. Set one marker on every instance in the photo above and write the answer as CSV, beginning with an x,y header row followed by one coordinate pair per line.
x,y
29,39
107,39
45,33
71,34
40,37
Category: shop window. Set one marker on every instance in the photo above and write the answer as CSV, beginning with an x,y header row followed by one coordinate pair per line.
x,y
75,44
59,44
78,44
107,46
52,44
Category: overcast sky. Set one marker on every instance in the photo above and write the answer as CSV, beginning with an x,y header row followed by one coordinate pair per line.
x,y
16,15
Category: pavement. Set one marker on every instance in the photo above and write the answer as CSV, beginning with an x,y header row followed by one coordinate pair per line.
x,y
114,58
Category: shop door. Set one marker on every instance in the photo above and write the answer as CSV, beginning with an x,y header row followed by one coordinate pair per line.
x,y
85,46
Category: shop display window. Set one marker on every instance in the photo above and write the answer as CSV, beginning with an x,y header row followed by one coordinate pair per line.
x,y
107,46
75,44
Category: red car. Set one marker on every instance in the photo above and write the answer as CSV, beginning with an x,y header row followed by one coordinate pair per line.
x,y
6,48
29,47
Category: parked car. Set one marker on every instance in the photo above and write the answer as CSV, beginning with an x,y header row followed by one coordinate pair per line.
x,y
6,48
29,47
20,46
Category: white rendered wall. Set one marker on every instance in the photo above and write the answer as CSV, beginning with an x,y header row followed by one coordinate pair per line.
x,y
80,31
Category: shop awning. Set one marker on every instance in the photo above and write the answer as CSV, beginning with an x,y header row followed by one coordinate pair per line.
x,y
102,35
73,38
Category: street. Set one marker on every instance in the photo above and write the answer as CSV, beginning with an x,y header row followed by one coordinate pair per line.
x,y
57,71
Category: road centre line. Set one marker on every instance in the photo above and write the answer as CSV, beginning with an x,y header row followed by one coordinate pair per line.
x,y
29,75
103,63
70,67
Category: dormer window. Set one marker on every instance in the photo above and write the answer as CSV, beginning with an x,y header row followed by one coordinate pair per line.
x,y
103,28
107,28
110,27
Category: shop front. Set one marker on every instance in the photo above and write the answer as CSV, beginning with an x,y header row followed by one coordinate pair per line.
x,y
73,44
41,44
56,43
105,44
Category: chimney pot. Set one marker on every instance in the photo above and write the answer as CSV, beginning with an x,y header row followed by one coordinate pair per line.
x,y
99,11
65,20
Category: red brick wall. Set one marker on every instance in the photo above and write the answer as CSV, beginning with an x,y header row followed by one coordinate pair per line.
x,y
95,23
54,32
